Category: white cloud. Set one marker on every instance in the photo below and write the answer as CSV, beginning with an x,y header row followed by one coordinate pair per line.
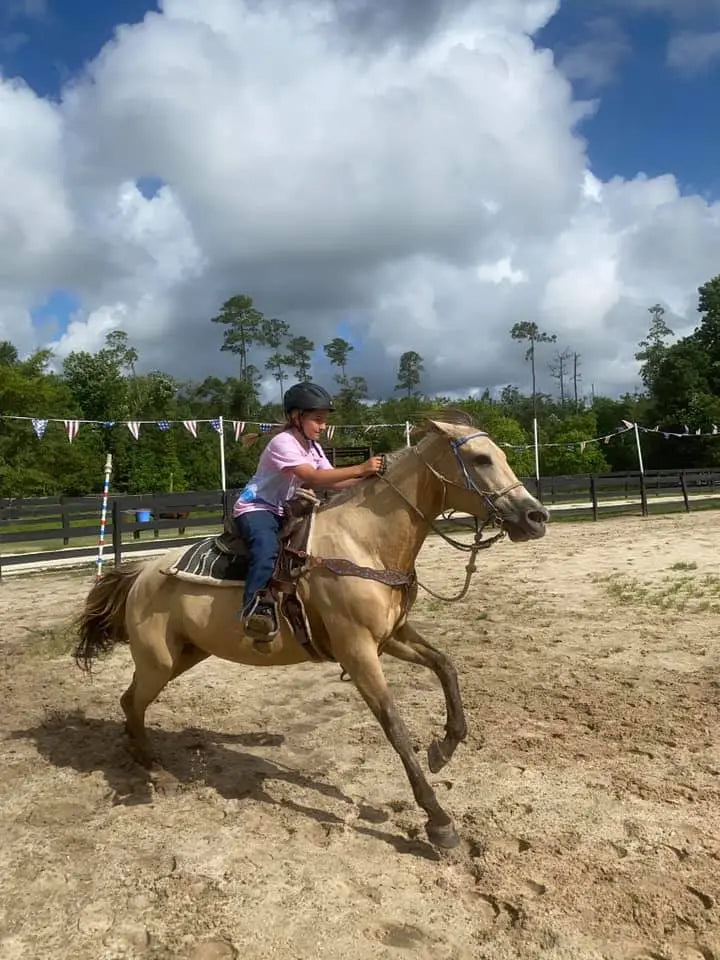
x,y
596,59
426,191
693,51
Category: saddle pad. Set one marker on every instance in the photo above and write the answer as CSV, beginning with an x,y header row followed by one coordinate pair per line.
x,y
205,562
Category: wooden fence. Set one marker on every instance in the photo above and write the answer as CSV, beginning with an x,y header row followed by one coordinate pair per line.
x,y
55,523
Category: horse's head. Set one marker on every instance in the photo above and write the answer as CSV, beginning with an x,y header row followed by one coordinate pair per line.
x,y
478,479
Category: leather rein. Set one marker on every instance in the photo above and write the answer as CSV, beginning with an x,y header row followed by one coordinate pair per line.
x,y
490,497
398,578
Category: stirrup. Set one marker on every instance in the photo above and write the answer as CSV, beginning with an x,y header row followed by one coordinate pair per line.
x,y
260,625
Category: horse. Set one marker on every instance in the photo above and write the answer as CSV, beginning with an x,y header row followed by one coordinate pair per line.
x,y
376,528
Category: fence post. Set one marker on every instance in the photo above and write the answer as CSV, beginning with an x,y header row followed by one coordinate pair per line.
x,y
683,484
65,521
593,496
643,495
117,533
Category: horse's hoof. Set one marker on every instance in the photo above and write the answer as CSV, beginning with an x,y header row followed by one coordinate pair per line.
x,y
436,757
442,835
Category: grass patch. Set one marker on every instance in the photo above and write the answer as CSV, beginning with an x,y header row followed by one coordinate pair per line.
x,y
683,594
51,642
684,565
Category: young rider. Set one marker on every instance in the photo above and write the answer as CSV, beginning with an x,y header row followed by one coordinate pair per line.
x,y
292,458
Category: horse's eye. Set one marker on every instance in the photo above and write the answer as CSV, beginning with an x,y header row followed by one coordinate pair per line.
x,y
483,460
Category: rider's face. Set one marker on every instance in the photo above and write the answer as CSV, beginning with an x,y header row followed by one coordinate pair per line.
x,y
313,423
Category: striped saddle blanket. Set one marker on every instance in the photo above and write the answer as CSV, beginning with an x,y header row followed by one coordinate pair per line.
x,y
207,562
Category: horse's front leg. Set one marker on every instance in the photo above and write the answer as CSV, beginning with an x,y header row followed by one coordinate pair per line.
x,y
361,661
408,645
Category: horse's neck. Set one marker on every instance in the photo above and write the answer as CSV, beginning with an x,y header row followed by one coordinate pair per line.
x,y
380,515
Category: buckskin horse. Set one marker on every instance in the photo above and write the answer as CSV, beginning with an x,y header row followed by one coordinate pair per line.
x,y
357,588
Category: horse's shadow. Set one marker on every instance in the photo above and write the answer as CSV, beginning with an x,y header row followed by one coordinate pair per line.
x,y
193,756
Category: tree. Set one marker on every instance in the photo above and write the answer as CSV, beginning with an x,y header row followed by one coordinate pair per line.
x,y
299,353
708,333
559,370
409,370
576,376
653,348
8,354
528,330
348,400
97,384
244,326
337,352
273,333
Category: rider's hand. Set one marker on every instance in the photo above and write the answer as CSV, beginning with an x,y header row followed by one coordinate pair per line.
x,y
372,466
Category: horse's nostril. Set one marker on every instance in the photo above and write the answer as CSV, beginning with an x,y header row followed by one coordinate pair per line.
x,y
538,516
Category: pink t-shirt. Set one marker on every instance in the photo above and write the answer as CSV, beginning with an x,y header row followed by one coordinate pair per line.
x,y
269,488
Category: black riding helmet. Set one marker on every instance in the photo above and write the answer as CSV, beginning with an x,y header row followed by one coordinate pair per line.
x,y
307,396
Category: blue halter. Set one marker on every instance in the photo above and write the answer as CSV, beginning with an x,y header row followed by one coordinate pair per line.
x,y
489,496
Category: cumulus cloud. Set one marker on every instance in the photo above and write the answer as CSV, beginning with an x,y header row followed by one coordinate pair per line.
x,y
419,180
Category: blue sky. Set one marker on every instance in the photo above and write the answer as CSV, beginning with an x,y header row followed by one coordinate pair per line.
x,y
650,116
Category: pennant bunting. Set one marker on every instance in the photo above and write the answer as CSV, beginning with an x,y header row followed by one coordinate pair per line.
x,y
134,428
330,432
238,428
191,427
163,425
265,427
72,427
215,424
39,426
109,423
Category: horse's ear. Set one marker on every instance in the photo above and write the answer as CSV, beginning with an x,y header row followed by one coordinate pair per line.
x,y
437,420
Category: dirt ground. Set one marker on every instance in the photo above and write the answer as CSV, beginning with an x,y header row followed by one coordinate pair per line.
x,y
587,794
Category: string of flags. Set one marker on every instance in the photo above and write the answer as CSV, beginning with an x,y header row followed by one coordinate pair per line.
x,y
239,428
72,427
571,444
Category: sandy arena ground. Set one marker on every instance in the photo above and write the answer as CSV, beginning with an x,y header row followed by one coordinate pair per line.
x,y
587,794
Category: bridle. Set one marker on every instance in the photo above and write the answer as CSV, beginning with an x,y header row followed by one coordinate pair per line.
x,y
489,497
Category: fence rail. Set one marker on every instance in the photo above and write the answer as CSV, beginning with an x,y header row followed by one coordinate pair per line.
x,y
54,523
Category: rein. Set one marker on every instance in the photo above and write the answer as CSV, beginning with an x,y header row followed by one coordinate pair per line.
x,y
490,497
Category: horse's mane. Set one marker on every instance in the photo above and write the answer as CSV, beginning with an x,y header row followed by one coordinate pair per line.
x,y
422,429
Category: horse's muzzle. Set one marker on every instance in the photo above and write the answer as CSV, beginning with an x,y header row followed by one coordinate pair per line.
x,y
529,521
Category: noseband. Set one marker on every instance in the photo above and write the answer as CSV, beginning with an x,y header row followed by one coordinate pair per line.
x,y
490,497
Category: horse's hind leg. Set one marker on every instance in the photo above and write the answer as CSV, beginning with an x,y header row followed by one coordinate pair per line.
x,y
157,659
189,657
408,645
363,665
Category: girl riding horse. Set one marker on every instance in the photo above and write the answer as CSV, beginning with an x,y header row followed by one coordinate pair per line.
x,y
292,458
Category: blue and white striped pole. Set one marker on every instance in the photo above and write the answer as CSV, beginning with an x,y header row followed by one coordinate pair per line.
x,y
103,515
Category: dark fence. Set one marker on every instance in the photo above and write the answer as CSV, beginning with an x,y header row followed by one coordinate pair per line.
x,y
133,522
53,523
621,492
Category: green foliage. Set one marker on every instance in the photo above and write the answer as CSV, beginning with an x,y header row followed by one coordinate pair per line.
x,y
410,369
682,388
300,351
653,348
337,352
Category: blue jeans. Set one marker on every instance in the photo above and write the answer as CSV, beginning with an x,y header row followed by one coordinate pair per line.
x,y
259,529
